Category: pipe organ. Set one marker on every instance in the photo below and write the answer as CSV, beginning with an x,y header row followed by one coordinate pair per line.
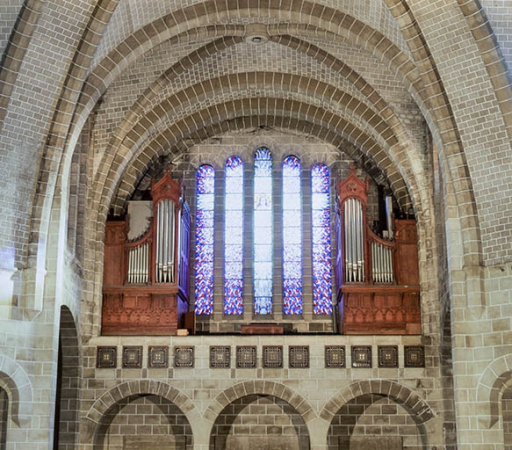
x,y
377,278
145,278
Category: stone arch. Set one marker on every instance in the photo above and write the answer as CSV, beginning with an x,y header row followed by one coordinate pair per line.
x,y
67,402
360,400
272,388
491,54
377,110
132,389
396,391
277,395
334,124
14,380
496,378
448,137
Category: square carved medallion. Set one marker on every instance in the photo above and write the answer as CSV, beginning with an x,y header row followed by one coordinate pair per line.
x,y
183,357
414,356
388,356
106,357
273,356
132,357
245,357
362,356
158,357
299,357
334,356
220,357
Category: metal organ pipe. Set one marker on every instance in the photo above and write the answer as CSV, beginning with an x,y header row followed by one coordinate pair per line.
x,y
165,237
354,241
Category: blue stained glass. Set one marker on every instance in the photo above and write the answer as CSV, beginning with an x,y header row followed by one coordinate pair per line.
x,y
321,240
292,185
205,202
235,219
264,287
234,252
322,218
291,270
320,201
233,269
262,270
292,236
233,234
263,231
291,201
234,202
263,305
264,218
205,183
262,235
320,235
205,186
262,202
233,184
262,253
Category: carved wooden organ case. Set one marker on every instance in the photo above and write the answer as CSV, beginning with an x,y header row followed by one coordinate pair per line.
x,y
377,279
146,280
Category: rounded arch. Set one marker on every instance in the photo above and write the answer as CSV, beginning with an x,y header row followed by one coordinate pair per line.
x,y
495,379
396,391
270,388
14,380
127,389
288,403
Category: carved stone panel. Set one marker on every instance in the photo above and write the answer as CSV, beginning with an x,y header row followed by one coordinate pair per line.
x,y
132,357
362,356
246,357
298,357
388,356
273,356
220,357
334,356
106,357
158,357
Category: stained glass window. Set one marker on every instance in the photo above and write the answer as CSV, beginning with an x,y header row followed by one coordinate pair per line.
x,y
263,231
321,240
233,236
205,193
292,236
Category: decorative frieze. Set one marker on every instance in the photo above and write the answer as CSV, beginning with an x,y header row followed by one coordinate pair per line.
x,y
183,357
106,357
220,357
132,357
388,356
246,357
334,356
414,356
298,357
362,356
273,356
158,357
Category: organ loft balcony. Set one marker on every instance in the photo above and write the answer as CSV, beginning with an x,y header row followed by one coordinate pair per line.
x,y
365,280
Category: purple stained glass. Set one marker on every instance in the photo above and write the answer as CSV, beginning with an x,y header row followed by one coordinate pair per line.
x,y
292,236
321,240
205,188
233,236
263,231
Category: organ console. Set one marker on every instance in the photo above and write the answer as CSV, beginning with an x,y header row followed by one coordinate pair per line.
x,y
377,278
146,279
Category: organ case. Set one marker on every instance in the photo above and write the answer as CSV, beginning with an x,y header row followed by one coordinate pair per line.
x,y
377,278
146,279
